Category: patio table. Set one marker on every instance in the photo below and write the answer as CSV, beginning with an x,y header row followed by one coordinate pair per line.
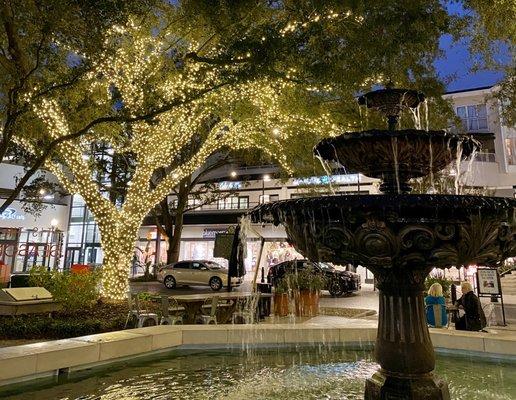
x,y
193,303
453,313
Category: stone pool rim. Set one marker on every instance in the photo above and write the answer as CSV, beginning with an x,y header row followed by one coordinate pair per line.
x,y
25,364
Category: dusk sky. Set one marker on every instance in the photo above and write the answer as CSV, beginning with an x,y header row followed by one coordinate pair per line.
x,y
457,62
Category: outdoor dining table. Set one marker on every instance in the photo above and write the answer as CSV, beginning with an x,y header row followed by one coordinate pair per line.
x,y
193,303
453,313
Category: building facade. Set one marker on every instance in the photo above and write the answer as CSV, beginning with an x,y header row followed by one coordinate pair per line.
x,y
494,167
28,239
66,233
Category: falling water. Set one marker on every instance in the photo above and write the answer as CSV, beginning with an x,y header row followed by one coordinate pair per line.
x,y
416,117
432,186
361,119
426,114
327,170
394,143
457,167
467,174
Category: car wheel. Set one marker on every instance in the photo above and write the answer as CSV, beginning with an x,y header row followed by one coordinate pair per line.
x,y
216,283
170,282
335,288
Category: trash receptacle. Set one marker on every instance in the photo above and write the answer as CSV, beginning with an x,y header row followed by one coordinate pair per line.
x,y
264,304
19,280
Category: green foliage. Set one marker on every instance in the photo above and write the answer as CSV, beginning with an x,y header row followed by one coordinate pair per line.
x,y
305,279
444,282
74,291
64,324
282,286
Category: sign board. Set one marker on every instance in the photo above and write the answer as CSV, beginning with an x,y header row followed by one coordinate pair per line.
x,y
325,180
488,282
11,214
223,245
210,233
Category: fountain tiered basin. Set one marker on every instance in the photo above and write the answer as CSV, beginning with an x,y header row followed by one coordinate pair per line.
x,y
398,231
395,157
398,236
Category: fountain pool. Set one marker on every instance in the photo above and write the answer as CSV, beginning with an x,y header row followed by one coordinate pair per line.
x,y
302,373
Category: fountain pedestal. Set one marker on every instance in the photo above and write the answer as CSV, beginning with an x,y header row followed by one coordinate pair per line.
x,y
403,346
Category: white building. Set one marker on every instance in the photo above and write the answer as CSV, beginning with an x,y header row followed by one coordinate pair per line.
x,y
494,167
25,239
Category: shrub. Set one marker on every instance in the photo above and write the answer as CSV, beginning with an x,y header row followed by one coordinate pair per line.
x,y
73,290
64,324
305,279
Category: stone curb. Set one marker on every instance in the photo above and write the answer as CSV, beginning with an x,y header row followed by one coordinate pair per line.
x,y
55,358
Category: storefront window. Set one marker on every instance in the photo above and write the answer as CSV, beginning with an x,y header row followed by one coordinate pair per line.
x,y
234,203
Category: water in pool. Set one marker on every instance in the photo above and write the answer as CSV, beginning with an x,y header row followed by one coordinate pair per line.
x,y
273,374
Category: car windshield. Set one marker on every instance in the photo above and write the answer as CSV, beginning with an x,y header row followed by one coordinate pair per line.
x,y
213,265
326,267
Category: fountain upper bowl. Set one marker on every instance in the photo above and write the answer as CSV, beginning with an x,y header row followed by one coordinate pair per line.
x,y
395,157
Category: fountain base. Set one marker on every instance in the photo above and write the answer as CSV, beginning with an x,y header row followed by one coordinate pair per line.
x,y
383,386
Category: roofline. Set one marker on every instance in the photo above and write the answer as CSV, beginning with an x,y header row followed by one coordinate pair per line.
x,y
470,90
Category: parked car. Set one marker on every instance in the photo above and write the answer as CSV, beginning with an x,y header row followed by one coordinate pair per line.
x,y
196,272
337,282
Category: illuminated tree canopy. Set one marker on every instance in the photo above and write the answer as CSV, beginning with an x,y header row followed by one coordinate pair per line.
x,y
162,77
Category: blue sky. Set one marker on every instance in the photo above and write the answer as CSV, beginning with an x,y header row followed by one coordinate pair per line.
x,y
457,61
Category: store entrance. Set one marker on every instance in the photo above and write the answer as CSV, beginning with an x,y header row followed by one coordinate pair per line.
x,y
73,256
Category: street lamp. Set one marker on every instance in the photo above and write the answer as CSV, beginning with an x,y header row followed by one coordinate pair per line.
x,y
266,178
233,174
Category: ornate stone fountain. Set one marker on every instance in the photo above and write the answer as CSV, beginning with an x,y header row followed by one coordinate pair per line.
x,y
400,237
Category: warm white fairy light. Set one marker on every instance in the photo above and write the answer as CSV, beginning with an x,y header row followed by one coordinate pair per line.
x,y
248,115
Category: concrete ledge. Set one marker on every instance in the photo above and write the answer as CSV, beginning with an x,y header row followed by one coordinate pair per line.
x,y
27,362
113,345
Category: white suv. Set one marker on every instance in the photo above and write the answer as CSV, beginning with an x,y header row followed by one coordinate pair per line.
x,y
196,272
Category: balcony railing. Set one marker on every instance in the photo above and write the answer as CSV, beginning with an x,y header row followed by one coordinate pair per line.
x,y
485,157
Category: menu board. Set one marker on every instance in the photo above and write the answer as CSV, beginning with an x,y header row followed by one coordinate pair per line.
x,y
488,282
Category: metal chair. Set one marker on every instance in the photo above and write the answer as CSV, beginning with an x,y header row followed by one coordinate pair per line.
x,y
139,317
211,304
168,305
247,313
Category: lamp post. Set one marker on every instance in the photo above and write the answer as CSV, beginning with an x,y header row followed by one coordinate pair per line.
x,y
266,178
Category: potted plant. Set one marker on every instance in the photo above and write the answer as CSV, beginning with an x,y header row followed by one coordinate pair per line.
x,y
307,284
281,298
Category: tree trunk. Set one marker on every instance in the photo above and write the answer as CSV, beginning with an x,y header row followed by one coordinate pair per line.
x,y
173,220
118,241
175,241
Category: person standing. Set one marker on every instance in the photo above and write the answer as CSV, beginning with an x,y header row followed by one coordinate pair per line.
x,y
435,306
474,318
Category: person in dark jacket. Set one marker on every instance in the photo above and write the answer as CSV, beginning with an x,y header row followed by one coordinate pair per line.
x,y
474,318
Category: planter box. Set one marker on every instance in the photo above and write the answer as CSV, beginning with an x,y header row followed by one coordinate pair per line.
x,y
281,304
307,303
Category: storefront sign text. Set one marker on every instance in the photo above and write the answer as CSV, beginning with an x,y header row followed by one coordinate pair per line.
x,y
325,180
31,250
209,233
11,213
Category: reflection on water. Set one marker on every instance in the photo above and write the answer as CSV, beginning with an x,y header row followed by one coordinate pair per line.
x,y
303,374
